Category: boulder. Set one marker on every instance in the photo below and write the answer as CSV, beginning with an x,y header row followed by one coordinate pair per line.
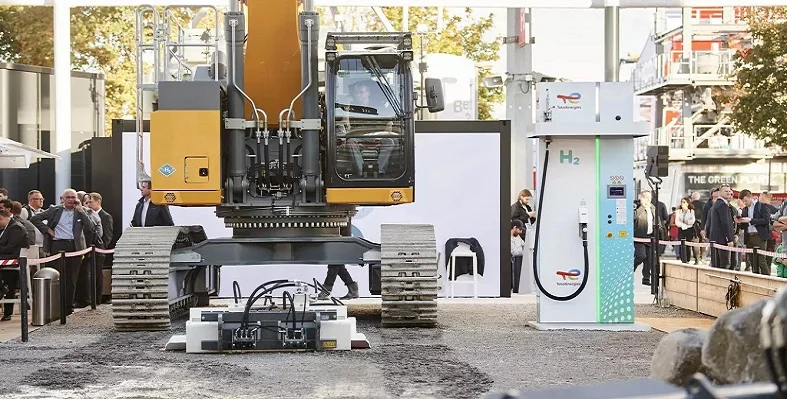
x,y
732,352
678,356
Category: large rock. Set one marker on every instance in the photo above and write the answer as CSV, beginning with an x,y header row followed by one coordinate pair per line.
x,y
678,356
732,352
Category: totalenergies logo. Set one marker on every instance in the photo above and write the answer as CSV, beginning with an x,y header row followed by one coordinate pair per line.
x,y
570,277
572,98
570,101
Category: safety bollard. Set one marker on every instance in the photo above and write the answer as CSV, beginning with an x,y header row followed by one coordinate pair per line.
x,y
63,286
714,260
92,272
655,271
23,289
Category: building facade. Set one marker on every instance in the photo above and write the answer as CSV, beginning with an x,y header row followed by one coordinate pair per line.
x,y
683,75
27,116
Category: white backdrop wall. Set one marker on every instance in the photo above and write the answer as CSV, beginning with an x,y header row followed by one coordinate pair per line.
x,y
457,189
460,85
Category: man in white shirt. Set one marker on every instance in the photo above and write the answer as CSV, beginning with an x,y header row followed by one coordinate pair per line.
x,y
64,226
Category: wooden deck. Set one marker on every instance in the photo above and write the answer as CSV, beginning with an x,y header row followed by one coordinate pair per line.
x,y
704,289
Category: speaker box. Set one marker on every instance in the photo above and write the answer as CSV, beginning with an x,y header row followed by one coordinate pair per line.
x,y
658,161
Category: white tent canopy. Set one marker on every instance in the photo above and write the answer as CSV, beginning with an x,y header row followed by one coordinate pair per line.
x,y
15,155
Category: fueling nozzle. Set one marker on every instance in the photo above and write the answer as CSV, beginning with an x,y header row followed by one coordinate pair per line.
x,y
583,221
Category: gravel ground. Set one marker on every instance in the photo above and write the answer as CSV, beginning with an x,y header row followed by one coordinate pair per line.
x,y
476,349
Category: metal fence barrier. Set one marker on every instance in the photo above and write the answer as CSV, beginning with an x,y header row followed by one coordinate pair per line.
x,y
23,263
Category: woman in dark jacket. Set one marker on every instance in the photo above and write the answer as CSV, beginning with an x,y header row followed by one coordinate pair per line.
x,y
13,238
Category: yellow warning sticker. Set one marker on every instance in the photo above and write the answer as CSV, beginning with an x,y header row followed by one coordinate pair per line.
x,y
329,344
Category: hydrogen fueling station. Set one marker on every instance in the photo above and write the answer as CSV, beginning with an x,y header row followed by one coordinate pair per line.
x,y
586,132
251,131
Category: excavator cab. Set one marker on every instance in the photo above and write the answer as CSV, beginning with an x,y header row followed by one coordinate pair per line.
x,y
370,125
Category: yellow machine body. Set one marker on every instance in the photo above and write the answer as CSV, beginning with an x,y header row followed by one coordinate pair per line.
x,y
189,139
272,61
185,157
370,196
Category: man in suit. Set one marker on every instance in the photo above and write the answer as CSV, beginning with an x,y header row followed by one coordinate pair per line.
x,y
755,224
644,216
705,216
720,228
64,230
92,238
107,222
148,214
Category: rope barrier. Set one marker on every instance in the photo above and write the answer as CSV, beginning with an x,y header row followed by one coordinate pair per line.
x,y
23,263
52,258
717,246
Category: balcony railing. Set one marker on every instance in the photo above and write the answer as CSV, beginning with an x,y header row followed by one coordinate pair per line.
x,y
674,66
706,141
699,16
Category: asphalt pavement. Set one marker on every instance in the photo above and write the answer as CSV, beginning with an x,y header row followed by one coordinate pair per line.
x,y
478,347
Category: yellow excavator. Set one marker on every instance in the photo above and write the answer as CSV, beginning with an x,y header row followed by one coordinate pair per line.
x,y
287,187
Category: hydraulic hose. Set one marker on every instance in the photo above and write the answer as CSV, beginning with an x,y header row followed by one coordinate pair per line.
x,y
535,247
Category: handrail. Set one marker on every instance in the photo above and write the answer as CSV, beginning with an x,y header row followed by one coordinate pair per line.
x,y
723,137
718,64
702,16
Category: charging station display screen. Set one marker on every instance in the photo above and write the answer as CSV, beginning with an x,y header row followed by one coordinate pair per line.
x,y
616,191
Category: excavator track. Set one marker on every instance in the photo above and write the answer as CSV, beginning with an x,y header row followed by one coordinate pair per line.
x,y
409,279
140,276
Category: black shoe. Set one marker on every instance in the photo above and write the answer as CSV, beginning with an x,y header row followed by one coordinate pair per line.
x,y
325,293
646,282
5,318
352,292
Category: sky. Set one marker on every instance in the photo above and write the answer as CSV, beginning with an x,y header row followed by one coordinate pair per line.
x,y
570,43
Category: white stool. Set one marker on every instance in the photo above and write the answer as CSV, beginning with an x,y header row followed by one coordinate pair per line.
x,y
20,300
462,250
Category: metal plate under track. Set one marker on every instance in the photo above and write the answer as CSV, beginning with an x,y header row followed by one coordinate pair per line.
x,y
140,278
409,275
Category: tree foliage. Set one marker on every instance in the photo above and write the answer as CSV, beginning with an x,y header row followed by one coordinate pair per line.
x,y
759,105
102,39
460,35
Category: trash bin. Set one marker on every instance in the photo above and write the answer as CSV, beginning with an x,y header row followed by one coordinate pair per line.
x,y
46,296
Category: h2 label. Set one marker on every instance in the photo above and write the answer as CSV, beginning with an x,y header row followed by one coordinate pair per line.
x,y
568,157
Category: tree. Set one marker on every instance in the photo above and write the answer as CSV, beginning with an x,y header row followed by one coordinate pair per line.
x,y
461,35
102,39
759,100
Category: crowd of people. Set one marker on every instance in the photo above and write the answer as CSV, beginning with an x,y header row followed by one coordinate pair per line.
x,y
77,222
733,221
747,221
